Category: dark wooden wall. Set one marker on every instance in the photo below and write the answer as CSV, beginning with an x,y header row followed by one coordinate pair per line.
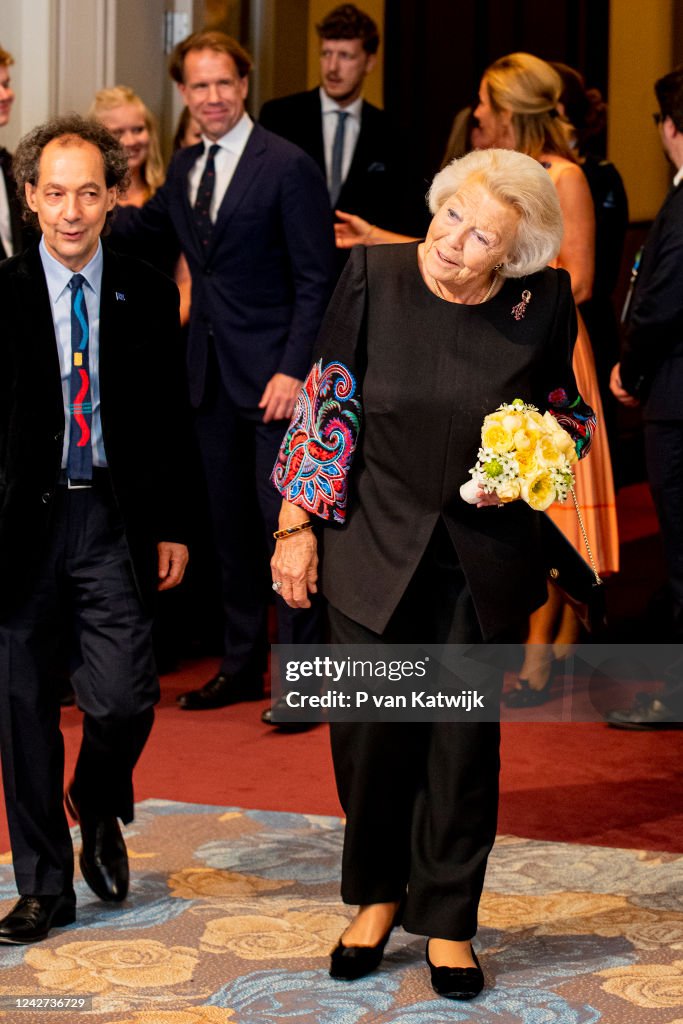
x,y
436,51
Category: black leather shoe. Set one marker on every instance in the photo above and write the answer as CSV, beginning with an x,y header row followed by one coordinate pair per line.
x,y
648,712
456,982
350,962
31,917
103,857
282,717
222,690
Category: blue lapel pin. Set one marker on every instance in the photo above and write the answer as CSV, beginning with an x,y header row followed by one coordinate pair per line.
x,y
120,297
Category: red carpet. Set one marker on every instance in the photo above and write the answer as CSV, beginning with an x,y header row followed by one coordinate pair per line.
x,y
569,782
573,782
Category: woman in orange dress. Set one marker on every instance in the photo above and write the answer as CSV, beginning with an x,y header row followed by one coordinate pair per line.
x,y
518,109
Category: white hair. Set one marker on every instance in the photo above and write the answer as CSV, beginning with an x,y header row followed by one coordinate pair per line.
x,y
520,182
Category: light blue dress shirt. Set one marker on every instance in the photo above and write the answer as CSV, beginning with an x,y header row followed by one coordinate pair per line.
x,y
58,277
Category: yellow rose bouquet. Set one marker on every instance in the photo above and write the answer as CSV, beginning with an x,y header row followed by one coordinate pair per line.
x,y
523,455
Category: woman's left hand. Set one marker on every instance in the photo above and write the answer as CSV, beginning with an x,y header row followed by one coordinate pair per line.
x,y
484,499
474,494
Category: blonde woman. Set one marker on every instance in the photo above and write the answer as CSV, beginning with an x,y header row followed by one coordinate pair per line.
x,y
123,113
129,120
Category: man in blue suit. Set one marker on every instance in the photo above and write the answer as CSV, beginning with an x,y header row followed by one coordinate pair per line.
x,y
651,373
252,215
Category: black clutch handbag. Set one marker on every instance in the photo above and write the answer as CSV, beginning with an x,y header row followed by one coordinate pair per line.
x,y
579,581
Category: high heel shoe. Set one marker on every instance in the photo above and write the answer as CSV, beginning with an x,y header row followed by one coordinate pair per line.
x,y
347,963
456,982
525,696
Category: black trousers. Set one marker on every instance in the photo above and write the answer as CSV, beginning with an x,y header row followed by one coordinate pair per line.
x,y
421,799
238,454
86,588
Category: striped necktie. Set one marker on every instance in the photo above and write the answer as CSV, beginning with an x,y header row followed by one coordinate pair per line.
x,y
79,457
202,204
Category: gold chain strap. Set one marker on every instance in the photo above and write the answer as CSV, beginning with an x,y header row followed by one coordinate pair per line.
x,y
598,581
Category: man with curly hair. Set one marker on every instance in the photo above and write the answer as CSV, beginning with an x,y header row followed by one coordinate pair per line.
x,y
93,438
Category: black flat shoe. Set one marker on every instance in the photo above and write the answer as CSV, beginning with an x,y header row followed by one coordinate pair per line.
x,y
347,963
103,857
221,691
456,982
31,917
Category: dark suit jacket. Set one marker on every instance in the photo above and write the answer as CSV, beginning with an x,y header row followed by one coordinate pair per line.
x,y
262,287
652,360
143,407
21,234
380,185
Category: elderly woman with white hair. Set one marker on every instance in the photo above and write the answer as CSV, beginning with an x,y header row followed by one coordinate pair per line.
x,y
420,342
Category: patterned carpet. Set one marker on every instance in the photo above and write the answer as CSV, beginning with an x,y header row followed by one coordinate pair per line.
x,y
232,914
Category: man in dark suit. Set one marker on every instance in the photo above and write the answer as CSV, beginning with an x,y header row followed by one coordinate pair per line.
x,y
350,139
93,435
12,233
651,373
252,216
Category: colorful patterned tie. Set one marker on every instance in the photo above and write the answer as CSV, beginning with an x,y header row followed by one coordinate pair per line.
x,y
202,204
337,158
79,458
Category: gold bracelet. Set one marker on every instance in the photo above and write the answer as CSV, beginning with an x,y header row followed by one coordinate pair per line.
x,y
289,530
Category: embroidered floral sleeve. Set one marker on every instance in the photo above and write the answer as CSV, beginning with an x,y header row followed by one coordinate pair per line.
x,y
577,418
315,457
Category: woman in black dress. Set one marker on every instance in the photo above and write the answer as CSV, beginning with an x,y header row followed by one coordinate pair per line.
x,y
420,342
